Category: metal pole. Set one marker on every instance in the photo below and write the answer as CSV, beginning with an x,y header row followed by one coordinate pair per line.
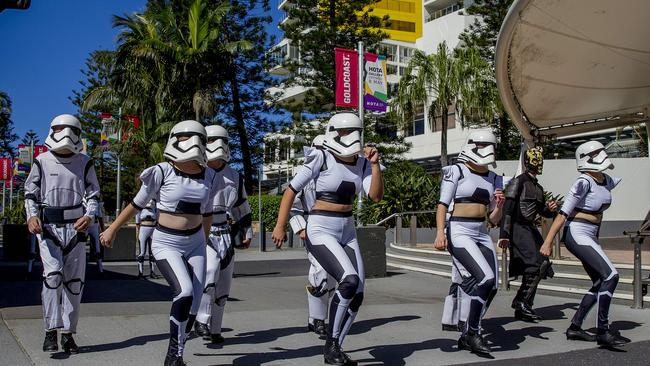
x,y
413,230
118,198
398,229
11,188
638,287
259,207
505,284
361,112
4,189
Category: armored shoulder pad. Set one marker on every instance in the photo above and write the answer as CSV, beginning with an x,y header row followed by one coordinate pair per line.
x,y
513,187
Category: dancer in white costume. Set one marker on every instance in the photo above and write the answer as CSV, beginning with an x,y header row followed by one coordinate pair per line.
x,y
93,235
183,189
230,202
145,223
54,192
320,283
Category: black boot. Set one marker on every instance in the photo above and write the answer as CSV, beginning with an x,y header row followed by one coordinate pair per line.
x,y
474,342
524,312
608,338
68,344
318,327
202,330
49,344
216,338
575,333
333,354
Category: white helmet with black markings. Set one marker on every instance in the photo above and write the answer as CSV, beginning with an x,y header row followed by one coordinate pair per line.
x,y
65,133
217,147
592,157
187,141
343,135
479,148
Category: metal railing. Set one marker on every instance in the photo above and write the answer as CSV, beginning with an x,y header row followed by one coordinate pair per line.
x,y
413,225
638,284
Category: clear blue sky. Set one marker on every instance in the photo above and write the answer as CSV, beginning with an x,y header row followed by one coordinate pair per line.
x,y
43,50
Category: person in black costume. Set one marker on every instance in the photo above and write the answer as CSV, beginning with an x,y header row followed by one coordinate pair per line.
x,y
524,201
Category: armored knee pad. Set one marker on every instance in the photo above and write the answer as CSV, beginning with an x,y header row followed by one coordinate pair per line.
x,y
74,286
209,288
53,280
140,259
348,286
609,285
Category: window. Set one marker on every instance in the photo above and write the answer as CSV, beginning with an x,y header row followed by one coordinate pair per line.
x,y
396,5
405,54
284,149
451,121
391,69
269,151
400,25
388,50
442,12
417,127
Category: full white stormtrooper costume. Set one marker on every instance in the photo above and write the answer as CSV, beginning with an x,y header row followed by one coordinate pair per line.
x,y
331,236
93,234
180,254
583,207
475,266
320,283
230,202
54,192
146,221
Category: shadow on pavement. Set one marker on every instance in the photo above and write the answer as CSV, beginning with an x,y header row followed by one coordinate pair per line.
x,y
135,341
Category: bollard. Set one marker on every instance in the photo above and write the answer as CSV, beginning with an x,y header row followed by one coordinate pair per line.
x,y
505,284
290,238
398,229
413,230
262,237
556,248
638,285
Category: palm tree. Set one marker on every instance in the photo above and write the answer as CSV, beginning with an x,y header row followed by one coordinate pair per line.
x,y
441,81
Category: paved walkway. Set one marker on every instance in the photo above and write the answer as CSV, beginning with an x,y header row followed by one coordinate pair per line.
x,y
125,322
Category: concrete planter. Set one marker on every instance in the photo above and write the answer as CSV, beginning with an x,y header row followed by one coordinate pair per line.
x,y
373,249
124,247
15,242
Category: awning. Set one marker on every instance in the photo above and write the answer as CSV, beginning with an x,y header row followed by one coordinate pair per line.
x,y
571,66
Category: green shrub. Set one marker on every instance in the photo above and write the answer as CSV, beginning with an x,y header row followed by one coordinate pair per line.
x,y
407,187
270,208
16,214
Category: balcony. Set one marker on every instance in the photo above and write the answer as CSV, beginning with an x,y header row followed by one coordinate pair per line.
x,y
433,13
279,55
282,4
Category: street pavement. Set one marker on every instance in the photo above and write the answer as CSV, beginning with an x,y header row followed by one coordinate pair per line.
x,y
124,321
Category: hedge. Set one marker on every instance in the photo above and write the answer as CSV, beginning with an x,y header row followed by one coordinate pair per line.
x,y
270,208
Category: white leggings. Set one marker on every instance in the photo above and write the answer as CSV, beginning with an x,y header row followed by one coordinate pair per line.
x,y
180,255
218,278
332,240
474,256
64,270
144,239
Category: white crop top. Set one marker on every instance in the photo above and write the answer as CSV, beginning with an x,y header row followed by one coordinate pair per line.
x,y
336,181
588,196
463,185
177,192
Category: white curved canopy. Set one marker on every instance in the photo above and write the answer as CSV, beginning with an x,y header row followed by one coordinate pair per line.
x,y
572,66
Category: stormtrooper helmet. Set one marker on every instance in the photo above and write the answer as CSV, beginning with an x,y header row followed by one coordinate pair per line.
x,y
186,142
591,157
217,148
65,133
343,135
479,148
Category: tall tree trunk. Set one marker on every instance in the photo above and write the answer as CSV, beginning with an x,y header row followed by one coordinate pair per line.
x,y
443,136
241,131
504,144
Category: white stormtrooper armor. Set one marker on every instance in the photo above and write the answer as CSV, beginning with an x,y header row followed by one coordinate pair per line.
x,y
191,149
591,157
340,144
217,147
54,192
65,133
229,202
146,220
479,148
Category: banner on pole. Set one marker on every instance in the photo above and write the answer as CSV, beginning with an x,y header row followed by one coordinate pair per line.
x,y
39,149
135,122
347,76
109,132
375,93
22,166
5,169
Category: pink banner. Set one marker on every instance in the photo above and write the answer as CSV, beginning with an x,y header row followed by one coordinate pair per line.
x,y
5,168
347,78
